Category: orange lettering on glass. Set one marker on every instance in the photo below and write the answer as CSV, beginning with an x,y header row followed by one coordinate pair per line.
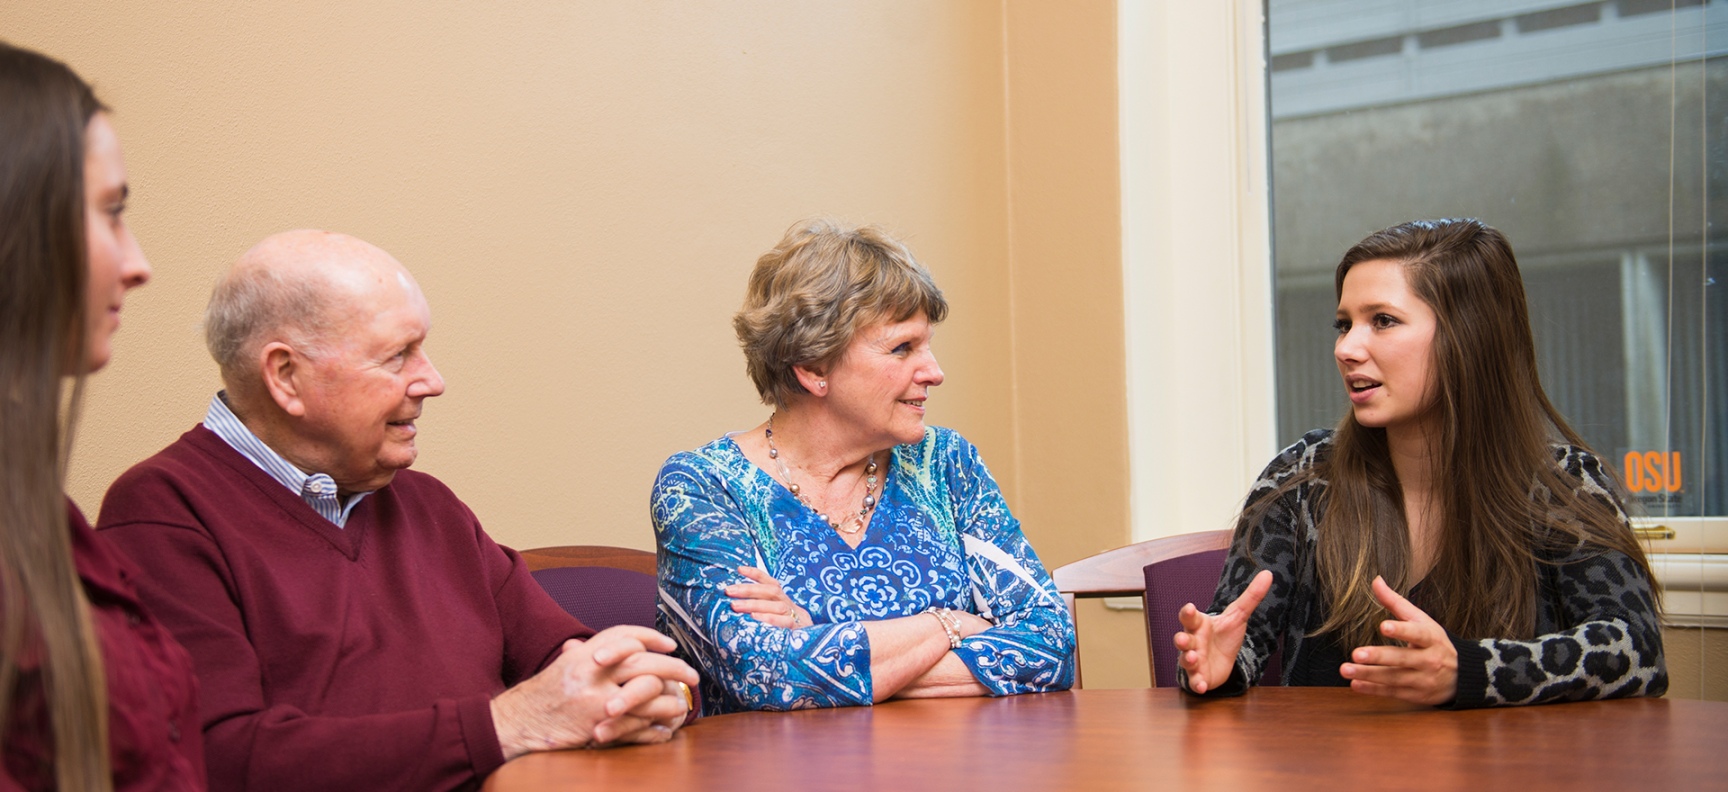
x,y
1649,471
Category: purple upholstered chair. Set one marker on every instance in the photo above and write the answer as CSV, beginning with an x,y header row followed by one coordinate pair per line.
x,y
1121,573
1178,579
601,586
1186,568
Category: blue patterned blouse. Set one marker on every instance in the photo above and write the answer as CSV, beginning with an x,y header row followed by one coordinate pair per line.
x,y
940,537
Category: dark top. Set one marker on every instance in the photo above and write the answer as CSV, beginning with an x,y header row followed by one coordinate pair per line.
x,y
1597,631
153,737
362,657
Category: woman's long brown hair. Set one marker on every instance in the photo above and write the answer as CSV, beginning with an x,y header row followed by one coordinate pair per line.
x,y
44,615
1502,503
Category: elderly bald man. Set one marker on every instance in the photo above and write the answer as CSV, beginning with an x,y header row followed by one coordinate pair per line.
x,y
352,625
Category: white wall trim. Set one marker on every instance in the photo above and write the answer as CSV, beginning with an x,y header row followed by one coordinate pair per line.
x,y
1694,588
1196,260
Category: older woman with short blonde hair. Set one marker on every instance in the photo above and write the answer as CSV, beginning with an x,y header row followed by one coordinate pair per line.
x,y
841,552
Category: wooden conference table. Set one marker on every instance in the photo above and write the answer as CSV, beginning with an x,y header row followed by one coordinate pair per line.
x,y
1272,738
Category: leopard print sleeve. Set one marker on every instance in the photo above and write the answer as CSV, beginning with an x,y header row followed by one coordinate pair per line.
x,y
1602,634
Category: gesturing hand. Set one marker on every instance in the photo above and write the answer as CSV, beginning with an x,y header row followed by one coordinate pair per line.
x,y
766,600
1209,644
1424,670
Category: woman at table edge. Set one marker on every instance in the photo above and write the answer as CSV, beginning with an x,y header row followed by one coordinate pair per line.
x,y
787,575
94,693
1452,496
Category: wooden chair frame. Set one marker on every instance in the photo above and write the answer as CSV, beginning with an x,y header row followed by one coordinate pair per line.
x,y
590,555
1122,573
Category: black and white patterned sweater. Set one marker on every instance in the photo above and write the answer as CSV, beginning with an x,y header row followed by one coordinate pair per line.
x,y
1598,633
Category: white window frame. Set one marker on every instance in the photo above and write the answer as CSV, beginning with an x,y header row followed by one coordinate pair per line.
x,y
1196,254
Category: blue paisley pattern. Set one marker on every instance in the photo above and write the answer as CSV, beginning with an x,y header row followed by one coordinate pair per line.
x,y
941,536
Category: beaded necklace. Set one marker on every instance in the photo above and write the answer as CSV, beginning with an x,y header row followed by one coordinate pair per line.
x,y
855,523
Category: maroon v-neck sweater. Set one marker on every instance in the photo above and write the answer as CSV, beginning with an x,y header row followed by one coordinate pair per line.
x,y
332,658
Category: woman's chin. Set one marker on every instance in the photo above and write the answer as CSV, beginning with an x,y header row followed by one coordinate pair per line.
x,y
910,435
1369,419
94,358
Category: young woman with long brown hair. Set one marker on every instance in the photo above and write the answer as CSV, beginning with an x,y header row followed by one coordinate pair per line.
x,y
1453,542
94,695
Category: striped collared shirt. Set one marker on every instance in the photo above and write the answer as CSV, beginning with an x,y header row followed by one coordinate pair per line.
x,y
318,489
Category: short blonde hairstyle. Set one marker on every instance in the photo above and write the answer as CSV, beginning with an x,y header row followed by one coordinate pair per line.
x,y
815,290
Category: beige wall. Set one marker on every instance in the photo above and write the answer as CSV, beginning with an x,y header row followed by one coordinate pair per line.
x,y
1065,307
581,188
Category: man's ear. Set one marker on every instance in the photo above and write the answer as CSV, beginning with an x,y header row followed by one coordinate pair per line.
x,y
284,372
814,381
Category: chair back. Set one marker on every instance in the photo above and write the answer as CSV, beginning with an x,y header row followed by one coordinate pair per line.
x,y
601,586
1176,581
601,597
1121,573
590,555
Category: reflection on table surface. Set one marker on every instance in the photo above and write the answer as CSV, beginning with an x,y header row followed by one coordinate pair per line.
x,y
1101,739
